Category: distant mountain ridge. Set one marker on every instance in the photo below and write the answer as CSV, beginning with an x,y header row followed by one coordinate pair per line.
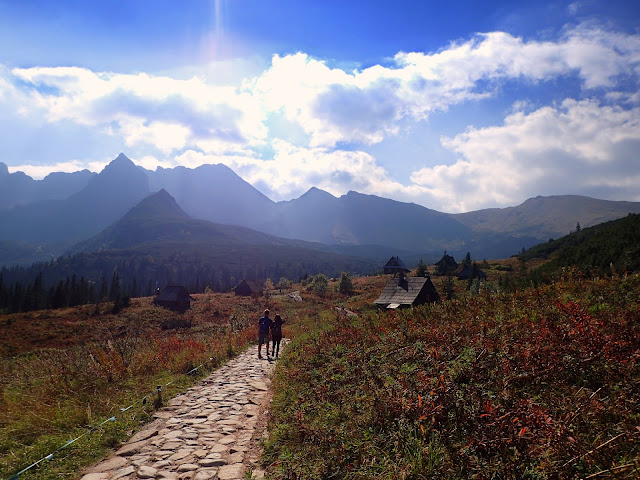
x,y
105,198
550,217
354,222
20,189
157,242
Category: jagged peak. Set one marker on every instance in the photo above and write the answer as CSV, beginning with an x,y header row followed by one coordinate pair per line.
x,y
119,163
316,192
158,204
4,170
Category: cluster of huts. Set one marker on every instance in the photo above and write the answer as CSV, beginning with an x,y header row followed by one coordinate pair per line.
x,y
400,291
448,266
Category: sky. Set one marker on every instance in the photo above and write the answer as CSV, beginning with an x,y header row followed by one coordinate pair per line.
x,y
456,106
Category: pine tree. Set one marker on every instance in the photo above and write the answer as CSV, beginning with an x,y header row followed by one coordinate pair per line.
x,y
346,285
422,269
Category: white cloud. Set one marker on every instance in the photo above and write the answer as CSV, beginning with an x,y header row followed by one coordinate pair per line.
x,y
576,148
366,106
286,128
167,137
329,104
159,111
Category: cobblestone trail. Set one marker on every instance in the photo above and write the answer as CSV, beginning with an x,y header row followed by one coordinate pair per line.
x,y
211,431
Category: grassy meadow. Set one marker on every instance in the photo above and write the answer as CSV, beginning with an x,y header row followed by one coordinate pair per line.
x,y
543,383
62,372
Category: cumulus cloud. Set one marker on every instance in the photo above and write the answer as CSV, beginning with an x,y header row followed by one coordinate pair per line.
x,y
302,123
575,148
159,111
366,106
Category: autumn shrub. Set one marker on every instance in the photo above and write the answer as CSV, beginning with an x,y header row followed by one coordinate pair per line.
x,y
540,383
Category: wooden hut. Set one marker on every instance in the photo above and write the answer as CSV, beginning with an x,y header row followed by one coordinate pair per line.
x,y
174,297
471,271
247,288
407,292
395,265
446,265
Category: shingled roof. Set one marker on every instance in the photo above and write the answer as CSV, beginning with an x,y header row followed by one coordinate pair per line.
x,y
248,287
395,265
174,293
467,272
174,297
407,291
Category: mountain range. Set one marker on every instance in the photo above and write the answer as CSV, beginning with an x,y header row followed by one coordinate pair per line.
x,y
42,219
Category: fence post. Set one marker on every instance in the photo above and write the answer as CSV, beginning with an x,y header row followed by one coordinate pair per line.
x,y
158,401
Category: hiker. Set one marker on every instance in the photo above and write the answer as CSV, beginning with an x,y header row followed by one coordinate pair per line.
x,y
263,332
276,335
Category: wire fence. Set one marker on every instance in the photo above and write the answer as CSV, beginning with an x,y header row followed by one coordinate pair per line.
x,y
157,392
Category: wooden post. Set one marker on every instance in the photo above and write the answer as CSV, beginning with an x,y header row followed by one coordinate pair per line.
x,y
158,401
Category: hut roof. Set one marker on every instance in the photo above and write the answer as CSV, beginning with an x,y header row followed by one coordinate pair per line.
x,y
447,261
395,265
467,271
407,291
253,285
174,293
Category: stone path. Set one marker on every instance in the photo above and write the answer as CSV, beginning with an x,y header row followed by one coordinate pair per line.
x,y
211,431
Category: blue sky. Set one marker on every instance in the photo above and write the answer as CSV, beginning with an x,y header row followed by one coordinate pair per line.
x,y
455,105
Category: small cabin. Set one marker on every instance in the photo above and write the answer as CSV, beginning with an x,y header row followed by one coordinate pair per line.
x,y
407,292
246,288
471,271
446,265
395,266
174,297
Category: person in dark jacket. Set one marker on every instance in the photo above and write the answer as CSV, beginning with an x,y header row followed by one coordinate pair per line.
x,y
263,332
276,335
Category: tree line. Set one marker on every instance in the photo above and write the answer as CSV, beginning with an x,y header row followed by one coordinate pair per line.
x,y
26,296
113,276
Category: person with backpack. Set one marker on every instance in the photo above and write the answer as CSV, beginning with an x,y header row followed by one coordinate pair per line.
x,y
263,332
276,335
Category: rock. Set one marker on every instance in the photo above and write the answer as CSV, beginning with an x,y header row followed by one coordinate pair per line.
x,y
258,474
111,464
205,475
150,431
204,435
179,455
219,448
124,472
96,476
147,472
231,472
187,467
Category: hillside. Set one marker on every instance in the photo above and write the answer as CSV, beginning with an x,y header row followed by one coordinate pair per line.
x,y
547,217
541,383
602,250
